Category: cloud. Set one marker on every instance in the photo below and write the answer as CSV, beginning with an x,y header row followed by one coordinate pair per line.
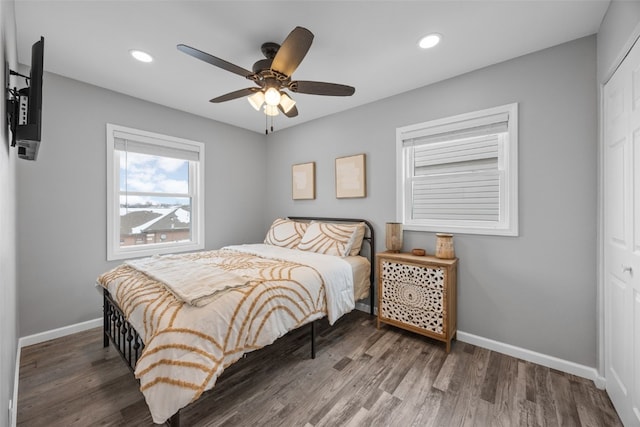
x,y
175,186
170,165
147,173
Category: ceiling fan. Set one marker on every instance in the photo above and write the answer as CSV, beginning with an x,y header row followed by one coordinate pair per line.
x,y
273,75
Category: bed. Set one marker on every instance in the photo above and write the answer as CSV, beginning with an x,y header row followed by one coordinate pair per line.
x,y
180,320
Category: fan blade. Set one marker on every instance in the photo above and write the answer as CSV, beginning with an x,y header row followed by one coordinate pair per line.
x,y
292,51
203,56
237,94
321,88
292,112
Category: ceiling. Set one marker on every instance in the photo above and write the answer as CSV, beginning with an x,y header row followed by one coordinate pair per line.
x,y
371,45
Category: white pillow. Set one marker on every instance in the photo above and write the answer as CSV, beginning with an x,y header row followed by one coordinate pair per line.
x,y
331,238
285,233
357,238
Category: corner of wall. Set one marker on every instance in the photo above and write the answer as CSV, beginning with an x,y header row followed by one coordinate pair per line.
x,y
8,277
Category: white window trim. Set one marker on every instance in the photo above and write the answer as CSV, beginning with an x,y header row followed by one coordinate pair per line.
x,y
196,178
508,222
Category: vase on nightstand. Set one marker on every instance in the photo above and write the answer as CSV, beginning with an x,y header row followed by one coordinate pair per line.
x,y
393,236
444,246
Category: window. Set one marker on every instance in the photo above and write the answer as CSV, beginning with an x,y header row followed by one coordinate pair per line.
x,y
460,174
155,193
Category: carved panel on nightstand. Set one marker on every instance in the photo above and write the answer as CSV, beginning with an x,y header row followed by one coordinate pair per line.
x,y
413,295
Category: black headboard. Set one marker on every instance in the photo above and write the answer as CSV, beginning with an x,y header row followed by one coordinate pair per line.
x,y
368,237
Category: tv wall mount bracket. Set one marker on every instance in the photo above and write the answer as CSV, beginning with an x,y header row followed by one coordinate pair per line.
x,y
13,103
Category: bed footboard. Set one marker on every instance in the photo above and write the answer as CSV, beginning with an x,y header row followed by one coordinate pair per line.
x,y
120,332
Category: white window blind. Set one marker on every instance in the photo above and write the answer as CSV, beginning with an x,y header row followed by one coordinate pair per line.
x,y
155,146
456,174
457,180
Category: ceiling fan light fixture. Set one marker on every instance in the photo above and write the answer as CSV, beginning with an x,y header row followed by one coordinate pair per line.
x,y
141,56
273,76
430,40
286,102
256,100
271,110
272,97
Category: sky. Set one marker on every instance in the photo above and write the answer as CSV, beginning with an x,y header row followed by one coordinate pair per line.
x,y
143,173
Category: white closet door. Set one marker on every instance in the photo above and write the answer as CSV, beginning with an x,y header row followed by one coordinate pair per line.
x,y
622,237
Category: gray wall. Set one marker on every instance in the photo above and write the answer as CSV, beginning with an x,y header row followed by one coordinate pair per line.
x,y
536,291
62,195
8,281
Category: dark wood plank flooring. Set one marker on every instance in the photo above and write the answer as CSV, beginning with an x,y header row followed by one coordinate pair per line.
x,y
361,377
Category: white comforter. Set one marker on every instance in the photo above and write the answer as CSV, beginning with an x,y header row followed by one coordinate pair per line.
x,y
336,272
188,347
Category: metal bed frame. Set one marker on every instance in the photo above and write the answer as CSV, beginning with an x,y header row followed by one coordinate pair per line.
x,y
128,342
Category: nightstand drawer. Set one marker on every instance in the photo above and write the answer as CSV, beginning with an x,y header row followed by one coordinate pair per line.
x,y
431,277
413,305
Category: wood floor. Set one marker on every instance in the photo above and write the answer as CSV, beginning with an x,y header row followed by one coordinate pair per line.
x,y
361,377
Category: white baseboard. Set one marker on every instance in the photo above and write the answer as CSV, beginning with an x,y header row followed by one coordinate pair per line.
x,y
532,356
58,333
600,382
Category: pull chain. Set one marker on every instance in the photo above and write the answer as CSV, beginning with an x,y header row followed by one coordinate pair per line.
x,y
266,122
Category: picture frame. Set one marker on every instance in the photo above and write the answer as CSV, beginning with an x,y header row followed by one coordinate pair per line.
x,y
351,177
303,181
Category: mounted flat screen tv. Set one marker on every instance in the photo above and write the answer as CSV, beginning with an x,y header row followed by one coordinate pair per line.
x,y
29,127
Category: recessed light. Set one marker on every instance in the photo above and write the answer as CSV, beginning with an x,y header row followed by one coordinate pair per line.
x,y
141,56
429,41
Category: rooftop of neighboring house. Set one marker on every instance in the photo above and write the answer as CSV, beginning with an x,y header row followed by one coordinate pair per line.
x,y
150,220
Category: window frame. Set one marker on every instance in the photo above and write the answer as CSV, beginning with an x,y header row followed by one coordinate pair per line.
x,y
196,192
507,224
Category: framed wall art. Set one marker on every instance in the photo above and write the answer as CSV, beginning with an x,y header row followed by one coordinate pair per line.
x,y
303,181
351,177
